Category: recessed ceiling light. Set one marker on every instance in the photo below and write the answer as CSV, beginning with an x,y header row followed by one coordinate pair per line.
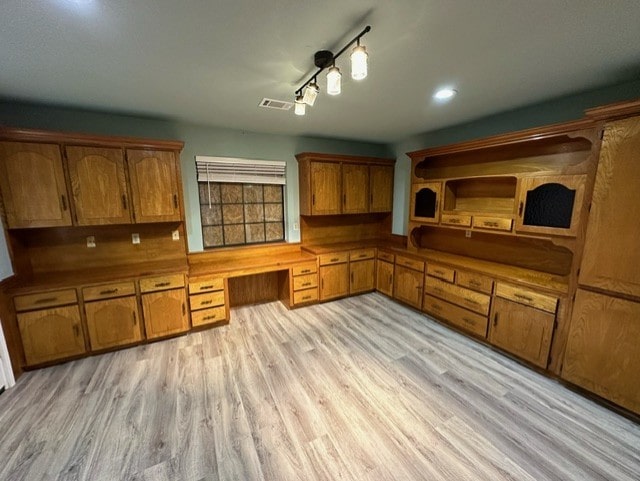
x,y
446,93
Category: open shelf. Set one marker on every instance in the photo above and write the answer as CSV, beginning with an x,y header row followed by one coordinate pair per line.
x,y
483,195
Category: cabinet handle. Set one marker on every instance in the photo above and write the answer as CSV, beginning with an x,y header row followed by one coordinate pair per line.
x,y
437,289
352,278
124,202
305,271
475,283
206,318
76,330
454,221
436,307
362,255
162,284
202,288
322,284
467,320
390,280
304,298
472,301
184,309
64,202
313,199
206,303
335,259
495,319
175,200
418,287
488,223
108,291
523,297
46,300
437,271
135,320
520,207
306,284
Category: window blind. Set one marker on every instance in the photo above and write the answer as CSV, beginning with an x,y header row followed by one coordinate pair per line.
x,y
245,171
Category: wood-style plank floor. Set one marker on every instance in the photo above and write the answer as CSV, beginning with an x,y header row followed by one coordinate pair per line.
x,y
357,389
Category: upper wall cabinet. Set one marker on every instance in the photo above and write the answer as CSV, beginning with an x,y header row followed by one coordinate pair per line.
x,y
98,185
340,184
33,185
154,185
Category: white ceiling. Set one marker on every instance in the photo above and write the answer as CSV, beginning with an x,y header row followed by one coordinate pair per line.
x,y
211,62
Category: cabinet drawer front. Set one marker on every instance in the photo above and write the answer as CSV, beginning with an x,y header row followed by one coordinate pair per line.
x,y
543,302
207,285
361,254
410,263
458,316
335,258
496,223
45,299
203,301
457,295
161,283
305,282
454,219
386,256
476,282
307,295
209,316
108,291
441,272
302,269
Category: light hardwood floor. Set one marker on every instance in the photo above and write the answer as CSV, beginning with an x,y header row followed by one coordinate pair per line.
x,y
357,389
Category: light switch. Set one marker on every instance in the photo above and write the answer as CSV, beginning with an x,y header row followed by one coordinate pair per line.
x,y
135,238
91,241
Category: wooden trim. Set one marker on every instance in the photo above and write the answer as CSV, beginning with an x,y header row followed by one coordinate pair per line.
x,y
10,328
352,159
614,111
75,138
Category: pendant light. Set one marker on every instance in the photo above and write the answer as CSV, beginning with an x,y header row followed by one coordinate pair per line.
x,y
359,59
333,81
310,93
300,106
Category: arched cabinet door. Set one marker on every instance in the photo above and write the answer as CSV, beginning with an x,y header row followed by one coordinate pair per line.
x,y
425,202
550,204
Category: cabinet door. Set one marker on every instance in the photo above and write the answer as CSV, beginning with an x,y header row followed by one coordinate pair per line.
x,y
334,281
381,188
408,286
362,276
113,322
550,204
425,202
165,313
355,188
602,349
384,278
98,185
154,185
522,330
326,188
611,256
51,334
33,186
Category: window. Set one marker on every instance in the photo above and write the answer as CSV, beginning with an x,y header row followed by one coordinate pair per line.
x,y
241,201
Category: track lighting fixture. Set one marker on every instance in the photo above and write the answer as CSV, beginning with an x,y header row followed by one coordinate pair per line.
x,y
325,59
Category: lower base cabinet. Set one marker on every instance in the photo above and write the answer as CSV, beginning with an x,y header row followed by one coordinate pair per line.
x,y
459,317
521,330
408,285
602,352
384,278
113,322
362,276
165,313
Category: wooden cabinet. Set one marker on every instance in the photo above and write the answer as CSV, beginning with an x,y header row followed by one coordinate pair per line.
x,y
425,202
208,301
362,276
550,204
611,256
303,280
33,185
521,330
98,185
334,275
113,322
355,188
154,185
602,351
164,305
381,188
408,281
462,318
326,188
384,277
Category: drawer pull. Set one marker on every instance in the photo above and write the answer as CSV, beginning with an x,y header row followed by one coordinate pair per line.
x,y
490,223
334,259
436,307
306,284
207,318
472,301
162,284
523,297
175,200
437,271
305,271
108,291
453,221
305,298
362,255
468,321
76,330
135,321
202,288
64,202
184,309
520,209
437,289
475,283
45,300
124,202
205,303
495,320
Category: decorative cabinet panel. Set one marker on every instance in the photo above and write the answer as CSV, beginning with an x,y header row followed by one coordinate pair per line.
x,y
611,256
381,188
551,204
384,277
326,188
602,350
154,185
407,286
521,330
165,313
362,276
334,281
98,185
113,322
425,202
33,185
355,188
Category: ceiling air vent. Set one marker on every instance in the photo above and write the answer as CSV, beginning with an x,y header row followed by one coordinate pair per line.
x,y
275,104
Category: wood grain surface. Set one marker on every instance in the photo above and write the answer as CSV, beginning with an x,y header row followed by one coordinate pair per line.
x,y
357,389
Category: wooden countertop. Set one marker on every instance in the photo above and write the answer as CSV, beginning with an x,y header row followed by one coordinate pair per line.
x,y
236,267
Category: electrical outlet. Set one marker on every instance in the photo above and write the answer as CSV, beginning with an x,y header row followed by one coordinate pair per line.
x,y
91,241
135,238
467,233
175,235
296,226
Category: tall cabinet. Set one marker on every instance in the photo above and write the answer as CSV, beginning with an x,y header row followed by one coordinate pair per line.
x,y
602,351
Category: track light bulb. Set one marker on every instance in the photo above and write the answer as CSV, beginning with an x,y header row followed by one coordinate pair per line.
x,y
359,59
333,81
300,106
310,93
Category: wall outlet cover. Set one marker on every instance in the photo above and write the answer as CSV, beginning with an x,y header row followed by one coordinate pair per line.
x,y
175,235
467,233
91,241
135,238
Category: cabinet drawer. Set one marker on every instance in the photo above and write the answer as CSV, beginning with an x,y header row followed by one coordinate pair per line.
x,y
302,269
335,258
161,283
209,316
45,299
361,254
528,298
305,282
454,219
206,285
307,295
441,272
496,223
386,256
410,263
457,295
108,291
476,282
203,301
458,316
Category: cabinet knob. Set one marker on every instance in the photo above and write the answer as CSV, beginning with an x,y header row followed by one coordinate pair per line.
x,y
520,207
124,202
495,319
63,199
135,320
175,200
